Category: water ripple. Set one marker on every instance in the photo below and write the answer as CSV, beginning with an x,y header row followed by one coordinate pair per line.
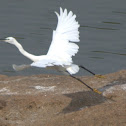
x,y
100,28
123,54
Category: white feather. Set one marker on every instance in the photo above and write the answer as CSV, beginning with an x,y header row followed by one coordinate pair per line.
x,y
65,33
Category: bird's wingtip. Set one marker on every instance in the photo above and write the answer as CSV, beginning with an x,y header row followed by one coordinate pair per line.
x,y
60,8
57,14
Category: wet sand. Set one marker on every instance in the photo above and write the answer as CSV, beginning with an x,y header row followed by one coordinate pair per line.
x,y
54,100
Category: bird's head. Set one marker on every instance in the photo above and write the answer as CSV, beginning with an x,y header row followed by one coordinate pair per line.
x,y
10,40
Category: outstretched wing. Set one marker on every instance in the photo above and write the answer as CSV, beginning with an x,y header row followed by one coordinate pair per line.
x,y
62,47
66,33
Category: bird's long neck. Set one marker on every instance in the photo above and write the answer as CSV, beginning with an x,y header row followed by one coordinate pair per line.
x,y
28,55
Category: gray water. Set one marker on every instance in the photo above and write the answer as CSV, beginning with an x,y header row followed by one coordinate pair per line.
x,y
102,33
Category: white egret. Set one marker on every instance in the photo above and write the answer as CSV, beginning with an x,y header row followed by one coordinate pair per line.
x,y
61,50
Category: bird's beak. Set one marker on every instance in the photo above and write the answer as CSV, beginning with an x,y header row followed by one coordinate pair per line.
x,y
2,39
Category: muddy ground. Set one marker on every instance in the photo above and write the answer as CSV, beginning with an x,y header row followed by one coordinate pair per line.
x,y
54,100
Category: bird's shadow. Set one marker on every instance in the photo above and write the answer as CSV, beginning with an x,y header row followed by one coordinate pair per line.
x,y
83,99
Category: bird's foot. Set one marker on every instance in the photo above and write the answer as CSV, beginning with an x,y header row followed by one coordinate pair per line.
x,y
97,91
99,76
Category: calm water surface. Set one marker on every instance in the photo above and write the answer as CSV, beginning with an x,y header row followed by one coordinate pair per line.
x,y
102,33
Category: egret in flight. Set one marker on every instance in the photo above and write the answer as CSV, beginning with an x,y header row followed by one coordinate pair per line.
x,y
61,50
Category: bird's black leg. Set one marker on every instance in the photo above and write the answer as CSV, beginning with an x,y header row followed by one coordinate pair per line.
x,y
93,89
87,70
99,76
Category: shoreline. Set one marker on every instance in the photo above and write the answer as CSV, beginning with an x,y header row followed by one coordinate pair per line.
x,y
60,100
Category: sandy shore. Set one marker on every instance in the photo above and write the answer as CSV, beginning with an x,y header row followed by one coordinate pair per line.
x,y
53,100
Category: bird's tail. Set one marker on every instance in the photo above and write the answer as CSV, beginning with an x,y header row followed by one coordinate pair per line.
x,y
20,67
73,69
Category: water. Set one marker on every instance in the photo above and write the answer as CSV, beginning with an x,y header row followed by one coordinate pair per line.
x,y
102,33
